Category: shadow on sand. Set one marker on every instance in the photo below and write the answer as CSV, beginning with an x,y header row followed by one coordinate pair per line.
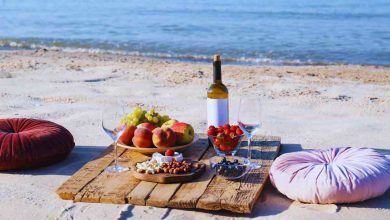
x,y
78,157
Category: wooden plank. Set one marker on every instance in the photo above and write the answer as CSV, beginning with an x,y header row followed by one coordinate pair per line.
x,y
239,196
69,189
189,193
243,198
112,187
162,193
210,199
138,195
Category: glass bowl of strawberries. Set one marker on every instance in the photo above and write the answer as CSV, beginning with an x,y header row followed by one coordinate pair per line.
x,y
226,139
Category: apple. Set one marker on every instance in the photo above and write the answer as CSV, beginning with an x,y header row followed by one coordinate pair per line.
x,y
184,133
147,125
127,136
163,137
168,123
142,138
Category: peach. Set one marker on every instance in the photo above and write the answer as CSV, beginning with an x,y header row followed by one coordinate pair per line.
x,y
142,138
163,137
147,125
127,136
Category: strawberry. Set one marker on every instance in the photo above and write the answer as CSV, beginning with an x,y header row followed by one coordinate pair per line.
x,y
224,148
211,133
227,140
211,127
239,131
226,132
234,142
226,126
233,128
169,152
216,141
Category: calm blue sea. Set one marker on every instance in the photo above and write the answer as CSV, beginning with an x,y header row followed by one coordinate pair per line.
x,y
270,32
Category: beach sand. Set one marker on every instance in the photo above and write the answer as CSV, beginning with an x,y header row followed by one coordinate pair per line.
x,y
310,107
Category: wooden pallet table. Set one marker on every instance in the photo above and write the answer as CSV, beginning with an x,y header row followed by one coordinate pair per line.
x,y
92,184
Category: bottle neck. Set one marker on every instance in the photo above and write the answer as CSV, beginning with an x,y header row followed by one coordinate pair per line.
x,y
217,72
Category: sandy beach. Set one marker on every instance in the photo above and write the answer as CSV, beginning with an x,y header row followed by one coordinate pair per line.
x,y
310,107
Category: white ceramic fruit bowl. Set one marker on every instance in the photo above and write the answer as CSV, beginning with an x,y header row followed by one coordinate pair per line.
x,y
152,150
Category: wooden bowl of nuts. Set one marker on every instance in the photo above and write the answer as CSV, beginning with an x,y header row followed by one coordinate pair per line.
x,y
168,172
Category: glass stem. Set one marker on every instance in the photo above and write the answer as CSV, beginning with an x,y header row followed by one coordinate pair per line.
x,y
249,149
116,154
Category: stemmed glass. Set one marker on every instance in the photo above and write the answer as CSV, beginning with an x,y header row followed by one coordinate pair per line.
x,y
111,123
249,120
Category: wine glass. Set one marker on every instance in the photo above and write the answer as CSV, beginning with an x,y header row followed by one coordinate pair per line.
x,y
249,120
114,128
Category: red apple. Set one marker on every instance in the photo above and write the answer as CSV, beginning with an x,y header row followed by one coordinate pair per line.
x,y
127,136
184,133
164,137
147,125
142,138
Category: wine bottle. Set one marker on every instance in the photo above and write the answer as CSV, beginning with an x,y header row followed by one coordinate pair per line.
x,y
217,97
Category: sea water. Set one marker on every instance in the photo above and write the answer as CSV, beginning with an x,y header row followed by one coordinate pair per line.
x,y
265,32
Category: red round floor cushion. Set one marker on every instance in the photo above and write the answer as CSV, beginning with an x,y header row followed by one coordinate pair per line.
x,y
29,143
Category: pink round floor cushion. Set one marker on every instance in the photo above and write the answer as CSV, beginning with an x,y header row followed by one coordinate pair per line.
x,y
29,143
336,175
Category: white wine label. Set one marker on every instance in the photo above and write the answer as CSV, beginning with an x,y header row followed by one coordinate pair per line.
x,y
217,111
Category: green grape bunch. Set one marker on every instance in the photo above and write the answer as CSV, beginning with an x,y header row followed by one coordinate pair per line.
x,y
139,115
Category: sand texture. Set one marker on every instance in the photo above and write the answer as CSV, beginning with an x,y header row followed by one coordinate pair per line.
x,y
308,106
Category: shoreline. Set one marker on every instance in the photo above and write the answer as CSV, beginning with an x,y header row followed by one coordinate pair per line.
x,y
191,58
367,73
